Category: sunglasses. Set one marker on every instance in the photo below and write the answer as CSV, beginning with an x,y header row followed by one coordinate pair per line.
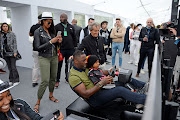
x,y
49,23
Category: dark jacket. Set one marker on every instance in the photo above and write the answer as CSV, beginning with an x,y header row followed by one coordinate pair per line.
x,y
86,31
93,46
77,31
24,108
69,41
126,37
95,75
107,39
153,37
33,28
178,47
41,43
11,41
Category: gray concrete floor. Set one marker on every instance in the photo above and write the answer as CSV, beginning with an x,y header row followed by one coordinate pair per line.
x,y
64,93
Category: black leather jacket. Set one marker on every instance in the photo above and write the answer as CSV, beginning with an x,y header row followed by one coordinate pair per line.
x,y
24,108
41,43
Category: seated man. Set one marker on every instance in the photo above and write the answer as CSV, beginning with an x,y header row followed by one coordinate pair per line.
x,y
94,94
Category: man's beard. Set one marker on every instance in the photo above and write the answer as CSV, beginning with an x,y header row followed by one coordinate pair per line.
x,y
64,21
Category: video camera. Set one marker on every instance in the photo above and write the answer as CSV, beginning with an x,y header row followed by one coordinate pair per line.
x,y
173,23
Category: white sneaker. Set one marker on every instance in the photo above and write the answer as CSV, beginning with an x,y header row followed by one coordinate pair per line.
x,y
130,62
142,71
10,83
16,83
119,69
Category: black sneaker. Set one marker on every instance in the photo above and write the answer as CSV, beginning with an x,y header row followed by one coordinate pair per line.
x,y
34,84
2,71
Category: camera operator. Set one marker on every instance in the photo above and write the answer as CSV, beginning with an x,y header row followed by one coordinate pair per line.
x,y
177,64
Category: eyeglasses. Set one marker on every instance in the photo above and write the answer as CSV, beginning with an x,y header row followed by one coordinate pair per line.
x,y
49,23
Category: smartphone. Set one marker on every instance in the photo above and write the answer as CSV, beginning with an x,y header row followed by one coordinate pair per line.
x,y
56,114
59,33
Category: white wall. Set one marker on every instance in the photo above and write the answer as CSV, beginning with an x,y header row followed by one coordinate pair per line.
x,y
3,15
21,22
24,14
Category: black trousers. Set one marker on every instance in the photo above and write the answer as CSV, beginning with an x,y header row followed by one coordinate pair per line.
x,y
13,73
149,52
66,54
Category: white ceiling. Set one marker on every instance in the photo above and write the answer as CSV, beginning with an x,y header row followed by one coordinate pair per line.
x,y
159,10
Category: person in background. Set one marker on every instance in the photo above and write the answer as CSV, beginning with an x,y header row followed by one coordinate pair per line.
x,y
177,64
131,30
104,32
149,36
77,29
35,71
135,45
18,109
68,45
46,43
126,41
93,44
8,48
1,70
85,31
117,36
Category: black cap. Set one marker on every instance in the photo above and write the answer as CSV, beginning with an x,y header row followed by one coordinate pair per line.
x,y
91,60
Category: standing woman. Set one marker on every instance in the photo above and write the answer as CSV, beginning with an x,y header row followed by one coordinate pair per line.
x,y
45,42
8,50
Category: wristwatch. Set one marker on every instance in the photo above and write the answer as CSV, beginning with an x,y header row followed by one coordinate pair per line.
x,y
100,85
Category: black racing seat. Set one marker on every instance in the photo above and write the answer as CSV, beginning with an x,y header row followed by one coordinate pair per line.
x,y
109,111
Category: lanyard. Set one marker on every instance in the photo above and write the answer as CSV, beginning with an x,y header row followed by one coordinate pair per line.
x,y
177,41
65,31
148,31
65,26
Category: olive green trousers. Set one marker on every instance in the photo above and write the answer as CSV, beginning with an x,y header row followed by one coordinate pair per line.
x,y
48,70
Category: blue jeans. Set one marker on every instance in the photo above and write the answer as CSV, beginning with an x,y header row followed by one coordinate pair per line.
x,y
115,47
106,95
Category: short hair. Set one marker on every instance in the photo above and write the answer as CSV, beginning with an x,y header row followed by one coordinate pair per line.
x,y
118,19
104,22
74,20
77,53
93,24
90,19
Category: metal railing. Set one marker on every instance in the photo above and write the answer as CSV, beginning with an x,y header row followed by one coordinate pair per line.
x,y
153,104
